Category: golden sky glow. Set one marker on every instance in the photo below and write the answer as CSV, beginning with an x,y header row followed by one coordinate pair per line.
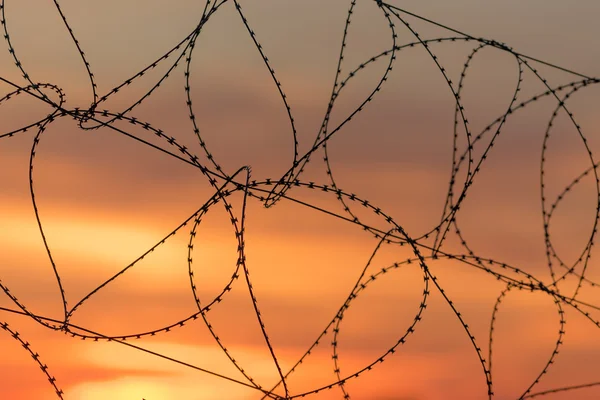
x,y
105,199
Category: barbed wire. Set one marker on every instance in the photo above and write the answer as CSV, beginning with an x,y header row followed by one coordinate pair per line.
x,y
271,191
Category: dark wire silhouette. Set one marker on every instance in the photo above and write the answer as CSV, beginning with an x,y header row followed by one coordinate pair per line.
x,y
273,190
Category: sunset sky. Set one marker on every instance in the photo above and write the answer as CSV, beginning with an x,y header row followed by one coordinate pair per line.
x,y
105,199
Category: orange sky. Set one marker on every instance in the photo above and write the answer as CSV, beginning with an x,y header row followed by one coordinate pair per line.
x,y
105,199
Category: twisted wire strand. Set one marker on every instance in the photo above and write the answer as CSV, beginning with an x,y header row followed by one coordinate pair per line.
x,y
270,191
